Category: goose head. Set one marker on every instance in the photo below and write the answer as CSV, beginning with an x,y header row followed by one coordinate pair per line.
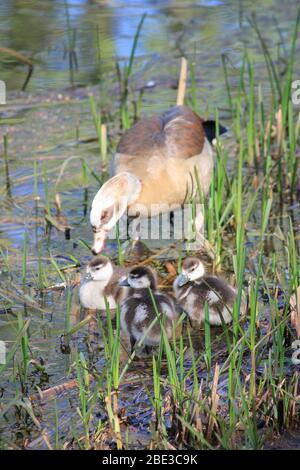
x,y
192,269
99,268
110,203
140,278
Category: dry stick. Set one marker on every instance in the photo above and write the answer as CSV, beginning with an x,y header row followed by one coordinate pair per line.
x,y
16,295
62,285
52,392
294,402
44,395
158,253
295,311
59,222
38,441
46,439
182,82
214,402
61,219
103,142
23,59
196,412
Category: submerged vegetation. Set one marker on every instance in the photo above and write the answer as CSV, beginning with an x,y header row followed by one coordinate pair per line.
x,y
229,387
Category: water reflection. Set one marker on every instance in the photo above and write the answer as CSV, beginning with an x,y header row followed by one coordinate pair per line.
x,y
103,30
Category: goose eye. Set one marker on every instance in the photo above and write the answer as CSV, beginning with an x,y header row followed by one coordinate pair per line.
x,y
107,214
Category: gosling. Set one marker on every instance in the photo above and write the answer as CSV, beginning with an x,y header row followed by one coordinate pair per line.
x,y
139,320
101,282
193,289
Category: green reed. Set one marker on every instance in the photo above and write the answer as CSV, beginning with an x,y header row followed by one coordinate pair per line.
x,y
24,258
112,345
100,129
207,337
20,335
227,84
287,84
72,39
6,165
23,363
125,76
159,436
194,100
84,389
46,190
121,252
35,181
41,281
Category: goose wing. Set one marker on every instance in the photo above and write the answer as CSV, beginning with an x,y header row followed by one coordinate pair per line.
x,y
178,133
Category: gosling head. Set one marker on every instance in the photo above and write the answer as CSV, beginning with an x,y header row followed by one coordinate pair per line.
x,y
140,278
99,268
109,204
192,269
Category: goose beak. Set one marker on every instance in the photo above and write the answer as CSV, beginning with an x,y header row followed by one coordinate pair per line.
x,y
182,280
98,242
124,283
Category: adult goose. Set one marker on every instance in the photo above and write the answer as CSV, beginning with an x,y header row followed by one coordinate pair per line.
x,y
155,168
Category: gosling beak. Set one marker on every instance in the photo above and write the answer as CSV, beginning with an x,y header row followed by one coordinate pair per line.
x,y
182,279
124,283
88,277
98,242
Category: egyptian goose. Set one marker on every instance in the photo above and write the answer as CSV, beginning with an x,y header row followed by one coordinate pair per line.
x,y
138,311
193,289
102,281
155,168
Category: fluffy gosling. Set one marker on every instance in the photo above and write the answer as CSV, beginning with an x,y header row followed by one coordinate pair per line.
x,y
193,289
138,311
102,281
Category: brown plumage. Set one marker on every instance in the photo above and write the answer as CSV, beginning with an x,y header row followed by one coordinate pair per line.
x,y
164,152
156,168
177,133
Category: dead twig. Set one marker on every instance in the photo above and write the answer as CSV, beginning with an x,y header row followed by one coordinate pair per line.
x,y
295,311
182,82
214,403
21,58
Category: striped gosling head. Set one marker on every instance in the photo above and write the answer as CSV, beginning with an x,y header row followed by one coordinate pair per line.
x,y
99,269
192,269
140,278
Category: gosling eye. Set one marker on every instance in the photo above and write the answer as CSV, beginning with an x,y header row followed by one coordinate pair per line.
x,y
99,267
